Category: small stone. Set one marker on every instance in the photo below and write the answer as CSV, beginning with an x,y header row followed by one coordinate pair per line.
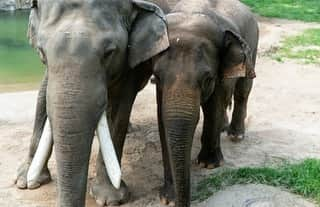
x,y
254,195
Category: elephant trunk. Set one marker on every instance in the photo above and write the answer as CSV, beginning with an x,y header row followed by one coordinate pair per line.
x,y
74,109
76,99
181,115
72,144
72,164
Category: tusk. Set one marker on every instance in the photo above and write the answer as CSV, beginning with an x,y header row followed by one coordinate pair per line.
x,y
108,152
41,154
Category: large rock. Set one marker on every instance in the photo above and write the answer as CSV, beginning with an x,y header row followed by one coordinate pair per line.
x,y
9,5
255,196
23,4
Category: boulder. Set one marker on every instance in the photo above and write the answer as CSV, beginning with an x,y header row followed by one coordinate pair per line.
x,y
10,5
255,196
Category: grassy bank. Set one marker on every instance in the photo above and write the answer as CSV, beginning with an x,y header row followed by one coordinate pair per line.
x,y
304,47
301,178
305,10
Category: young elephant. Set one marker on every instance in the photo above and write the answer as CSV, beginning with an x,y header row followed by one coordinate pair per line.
x,y
96,53
212,54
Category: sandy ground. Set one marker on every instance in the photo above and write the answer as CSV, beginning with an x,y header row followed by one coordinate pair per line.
x,y
283,123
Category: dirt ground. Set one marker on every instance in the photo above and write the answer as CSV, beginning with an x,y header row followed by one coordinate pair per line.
x,y
283,123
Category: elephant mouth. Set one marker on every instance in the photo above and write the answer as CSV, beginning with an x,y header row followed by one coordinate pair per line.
x,y
108,152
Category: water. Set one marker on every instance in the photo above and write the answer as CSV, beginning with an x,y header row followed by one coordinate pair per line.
x,y
20,66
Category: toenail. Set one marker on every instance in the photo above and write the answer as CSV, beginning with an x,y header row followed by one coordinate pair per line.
x,y
172,204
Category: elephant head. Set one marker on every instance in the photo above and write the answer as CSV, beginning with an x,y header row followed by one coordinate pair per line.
x,y
87,46
204,50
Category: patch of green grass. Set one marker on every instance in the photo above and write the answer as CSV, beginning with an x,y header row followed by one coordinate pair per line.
x,y
301,178
304,47
305,10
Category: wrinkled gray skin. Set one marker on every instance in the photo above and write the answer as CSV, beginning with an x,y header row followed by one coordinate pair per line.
x,y
97,58
213,46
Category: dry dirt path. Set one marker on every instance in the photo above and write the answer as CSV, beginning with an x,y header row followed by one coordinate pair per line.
x,y
283,123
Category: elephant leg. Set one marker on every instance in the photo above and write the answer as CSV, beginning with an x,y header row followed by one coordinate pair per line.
x,y
40,119
225,126
121,98
102,189
236,129
214,111
167,192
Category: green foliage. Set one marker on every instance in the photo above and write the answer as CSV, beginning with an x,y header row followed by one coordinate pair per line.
x,y
304,47
302,178
19,63
305,10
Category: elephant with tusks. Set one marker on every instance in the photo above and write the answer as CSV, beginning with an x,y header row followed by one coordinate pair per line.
x,y
97,55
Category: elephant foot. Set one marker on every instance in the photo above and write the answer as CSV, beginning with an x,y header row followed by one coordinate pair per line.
x,y
236,137
21,181
107,195
167,195
210,159
236,133
225,127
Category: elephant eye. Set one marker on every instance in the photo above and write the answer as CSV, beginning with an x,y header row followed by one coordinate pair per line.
x,y
207,86
107,54
207,81
108,51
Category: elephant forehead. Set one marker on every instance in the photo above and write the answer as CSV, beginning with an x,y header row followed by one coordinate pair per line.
x,y
59,20
187,40
192,24
123,4
93,10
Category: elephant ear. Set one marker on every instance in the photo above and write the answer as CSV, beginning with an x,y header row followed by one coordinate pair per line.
x,y
148,35
236,58
33,26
